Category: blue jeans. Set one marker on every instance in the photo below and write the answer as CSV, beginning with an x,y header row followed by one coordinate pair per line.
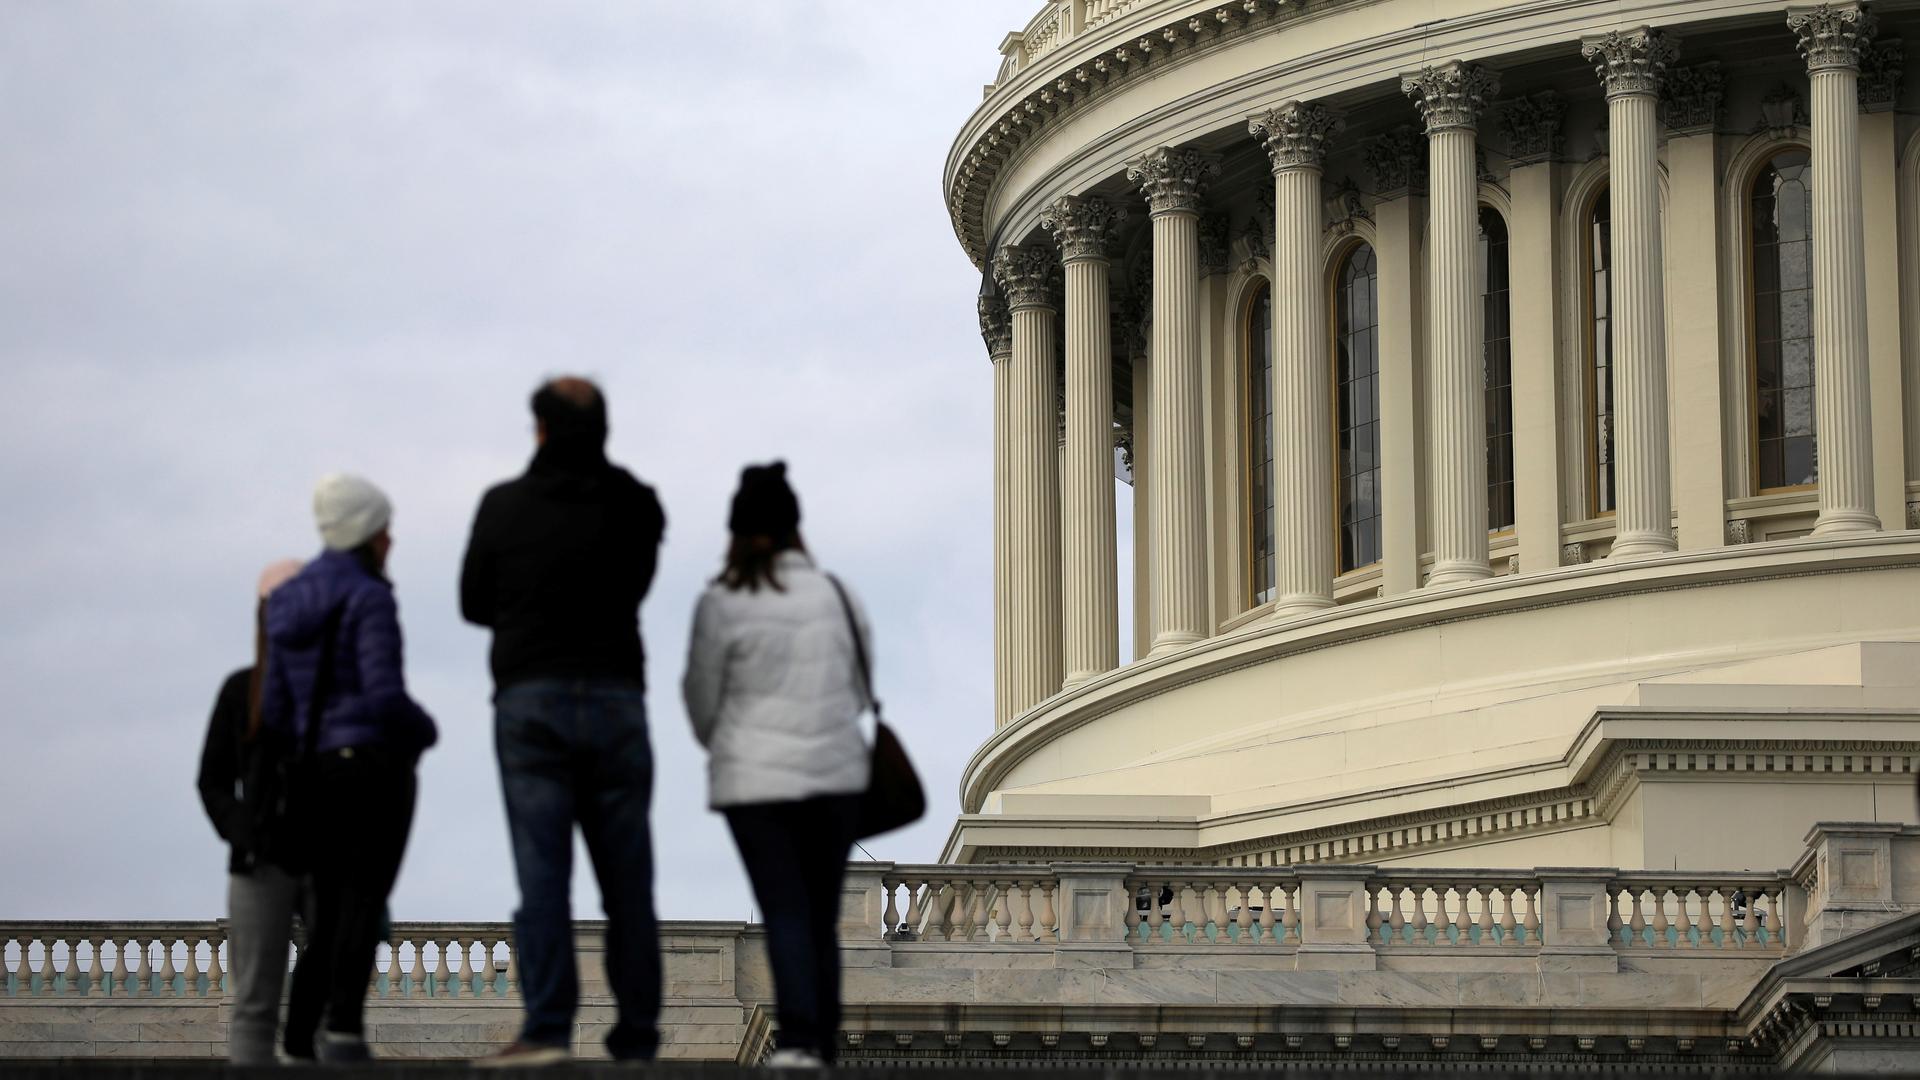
x,y
575,750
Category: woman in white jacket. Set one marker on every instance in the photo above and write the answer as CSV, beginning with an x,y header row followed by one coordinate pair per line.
x,y
774,691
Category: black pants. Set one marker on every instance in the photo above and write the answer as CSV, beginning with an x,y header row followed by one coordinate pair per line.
x,y
796,856
362,811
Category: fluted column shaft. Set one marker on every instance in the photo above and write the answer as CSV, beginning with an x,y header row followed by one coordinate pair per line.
x,y
1831,37
1033,482
1294,134
997,331
1090,581
1451,99
1632,64
1172,181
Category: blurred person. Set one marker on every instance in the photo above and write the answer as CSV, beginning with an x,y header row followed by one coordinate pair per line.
x,y
774,688
263,889
558,563
335,684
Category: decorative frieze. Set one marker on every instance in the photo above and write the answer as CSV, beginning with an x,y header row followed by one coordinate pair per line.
x,y
1831,35
1082,225
1294,133
1451,95
1173,178
1691,98
1214,239
1531,126
1631,61
1027,274
996,328
1397,162
1882,64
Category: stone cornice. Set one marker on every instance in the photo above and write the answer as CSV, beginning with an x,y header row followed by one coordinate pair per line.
x,y
1294,134
1631,61
1451,96
1831,36
1173,178
1082,225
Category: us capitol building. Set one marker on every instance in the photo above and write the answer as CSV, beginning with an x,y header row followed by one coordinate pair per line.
x,y
1521,400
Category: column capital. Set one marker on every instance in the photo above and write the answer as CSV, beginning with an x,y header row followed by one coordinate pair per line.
x,y
1451,96
1173,178
1295,133
1081,225
1691,98
1831,36
996,327
1398,162
1631,61
1532,127
1881,66
1026,274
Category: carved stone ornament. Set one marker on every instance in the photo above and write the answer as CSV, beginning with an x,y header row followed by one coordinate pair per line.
x,y
1631,61
996,327
1345,208
1573,554
1081,225
1738,532
1025,273
1397,162
1294,134
1173,179
1532,127
1214,230
1691,98
1255,239
1831,35
1881,66
1913,515
1452,95
1782,111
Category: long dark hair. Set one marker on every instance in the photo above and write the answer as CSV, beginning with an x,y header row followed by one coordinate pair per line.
x,y
765,521
750,562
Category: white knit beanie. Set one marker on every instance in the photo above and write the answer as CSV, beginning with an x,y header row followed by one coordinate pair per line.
x,y
350,511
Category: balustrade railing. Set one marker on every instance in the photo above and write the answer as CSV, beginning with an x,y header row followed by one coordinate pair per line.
x,y
995,904
1414,908
1681,911
1212,905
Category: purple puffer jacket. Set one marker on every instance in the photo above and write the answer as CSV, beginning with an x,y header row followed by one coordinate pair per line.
x,y
368,702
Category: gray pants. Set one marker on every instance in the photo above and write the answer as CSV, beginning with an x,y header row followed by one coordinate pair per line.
x,y
260,909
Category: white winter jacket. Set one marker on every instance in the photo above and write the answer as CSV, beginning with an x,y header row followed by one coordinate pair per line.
x,y
773,689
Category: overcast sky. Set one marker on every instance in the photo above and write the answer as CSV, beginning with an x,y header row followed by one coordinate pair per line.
x,y
247,243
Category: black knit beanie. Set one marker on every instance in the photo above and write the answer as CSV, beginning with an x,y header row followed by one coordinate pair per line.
x,y
764,505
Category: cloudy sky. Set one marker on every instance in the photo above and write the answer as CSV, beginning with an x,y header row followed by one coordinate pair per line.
x,y
249,243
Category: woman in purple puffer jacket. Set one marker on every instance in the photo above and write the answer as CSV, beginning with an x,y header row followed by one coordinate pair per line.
x,y
333,633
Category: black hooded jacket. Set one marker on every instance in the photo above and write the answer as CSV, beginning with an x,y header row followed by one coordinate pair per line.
x,y
558,563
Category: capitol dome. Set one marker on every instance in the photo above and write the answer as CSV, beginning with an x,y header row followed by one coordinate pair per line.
x,y
1521,405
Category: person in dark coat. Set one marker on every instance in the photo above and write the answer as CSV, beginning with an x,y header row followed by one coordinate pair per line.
x,y
558,563
334,628
262,892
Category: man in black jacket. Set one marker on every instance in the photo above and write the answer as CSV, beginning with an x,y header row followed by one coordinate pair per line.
x,y
558,563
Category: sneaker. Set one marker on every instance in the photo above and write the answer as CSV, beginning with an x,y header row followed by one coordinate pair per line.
x,y
795,1057
521,1054
340,1048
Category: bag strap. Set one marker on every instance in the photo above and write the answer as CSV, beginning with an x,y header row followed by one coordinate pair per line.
x,y
322,683
859,646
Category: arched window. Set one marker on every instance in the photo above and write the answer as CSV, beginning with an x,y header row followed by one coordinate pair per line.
x,y
1259,427
1356,383
1496,331
1780,214
1600,499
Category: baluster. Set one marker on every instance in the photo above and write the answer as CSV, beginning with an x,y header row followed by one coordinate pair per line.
x,y
1532,925
1750,925
1420,914
1289,917
417,974
1049,921
1776,915
1660,921
1507,922
476,969
1267,919
1154,917
1243,921
119,978
1374,921
1396,915
890,915
1133,918
1177,911
977,909
914,912
96,971
1683,919
939,911
1613,914
1462,925
27,980
510,982
1638,924
1023,910
1485,922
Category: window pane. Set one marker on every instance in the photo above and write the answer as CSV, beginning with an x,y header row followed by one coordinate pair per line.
x,y
1779,217
1497,370
1357,405
1600,355
1260,476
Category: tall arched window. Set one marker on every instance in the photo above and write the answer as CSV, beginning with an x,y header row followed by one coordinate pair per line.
x,y
1496,332
1356,382
1259,427
1780,215
1600,357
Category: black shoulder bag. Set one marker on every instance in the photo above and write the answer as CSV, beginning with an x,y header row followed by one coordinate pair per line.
x,y
893,797
280,787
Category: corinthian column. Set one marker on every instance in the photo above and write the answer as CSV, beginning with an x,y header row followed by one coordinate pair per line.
x,y
1026,276
1089,584
1632,63
1294,135
1451,99
1831,38
1172,180
996,329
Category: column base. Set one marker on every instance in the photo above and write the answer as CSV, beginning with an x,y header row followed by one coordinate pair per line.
x,y
1078,679
1839,522
1635,545
1288,606
1173,641
1458,573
